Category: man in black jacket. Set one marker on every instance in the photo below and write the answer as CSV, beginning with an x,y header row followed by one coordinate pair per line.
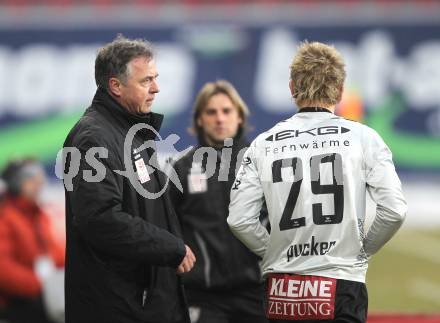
x,y
123,247
224,286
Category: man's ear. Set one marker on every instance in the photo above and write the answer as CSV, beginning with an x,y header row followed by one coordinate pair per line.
x,y
341,92
292,88
114,86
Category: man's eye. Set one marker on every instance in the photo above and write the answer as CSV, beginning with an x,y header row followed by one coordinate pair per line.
x,y
147,80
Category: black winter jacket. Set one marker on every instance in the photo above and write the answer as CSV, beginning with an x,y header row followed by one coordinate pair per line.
x,y
122,249
223,262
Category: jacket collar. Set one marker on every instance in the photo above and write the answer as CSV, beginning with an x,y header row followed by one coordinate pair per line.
x,y
106,104
239,141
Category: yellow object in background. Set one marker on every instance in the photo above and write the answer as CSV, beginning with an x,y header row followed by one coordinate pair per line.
x,y
351,106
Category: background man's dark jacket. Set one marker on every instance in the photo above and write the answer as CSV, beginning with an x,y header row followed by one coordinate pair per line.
x,y
223,262
122,249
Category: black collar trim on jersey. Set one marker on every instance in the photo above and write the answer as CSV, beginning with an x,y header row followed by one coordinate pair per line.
x,y
314,109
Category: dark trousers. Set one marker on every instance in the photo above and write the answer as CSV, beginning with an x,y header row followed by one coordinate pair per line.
x,y
237,306
351,304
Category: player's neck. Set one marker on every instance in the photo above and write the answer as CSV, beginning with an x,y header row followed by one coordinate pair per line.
x,y
317,108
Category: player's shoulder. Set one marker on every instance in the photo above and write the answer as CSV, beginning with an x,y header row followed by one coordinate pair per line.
x,y
355,126
267,136
368,134
348,122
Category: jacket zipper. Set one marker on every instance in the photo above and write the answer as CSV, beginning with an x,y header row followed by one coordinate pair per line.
x,y
144,297
205,255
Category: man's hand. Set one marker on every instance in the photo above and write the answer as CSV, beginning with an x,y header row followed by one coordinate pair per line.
x,y
187,262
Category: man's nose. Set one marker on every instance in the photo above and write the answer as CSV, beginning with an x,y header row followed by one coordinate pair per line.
x,y
220,117
155,87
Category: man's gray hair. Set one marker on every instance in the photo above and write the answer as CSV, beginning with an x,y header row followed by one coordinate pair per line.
x,y
112,59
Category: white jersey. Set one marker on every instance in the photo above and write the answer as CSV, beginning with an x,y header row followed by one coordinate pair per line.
x,y
313,170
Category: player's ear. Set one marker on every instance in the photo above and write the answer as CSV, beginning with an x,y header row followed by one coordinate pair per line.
x,y
292,88
114,86
341,91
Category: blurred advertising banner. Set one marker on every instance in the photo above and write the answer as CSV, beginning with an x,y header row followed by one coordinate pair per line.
x,y
393,80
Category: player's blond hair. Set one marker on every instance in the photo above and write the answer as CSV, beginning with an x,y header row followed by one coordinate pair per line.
x,y
210,89
318,75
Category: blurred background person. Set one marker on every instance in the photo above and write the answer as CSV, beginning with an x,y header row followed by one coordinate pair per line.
x,y
224,286
29,253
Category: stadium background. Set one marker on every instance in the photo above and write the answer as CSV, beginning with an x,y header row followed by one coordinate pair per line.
x,y
392,51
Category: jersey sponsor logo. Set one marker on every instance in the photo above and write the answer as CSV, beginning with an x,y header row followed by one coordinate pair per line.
x,y
320,131
315,144
312,248
237,181
246,161
236,184
296,297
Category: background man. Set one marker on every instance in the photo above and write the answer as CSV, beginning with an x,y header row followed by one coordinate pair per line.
x,y
224,286
314,170
123,250
29,251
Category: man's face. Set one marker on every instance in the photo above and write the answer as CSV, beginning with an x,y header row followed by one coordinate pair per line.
x,y
219,119
137,94
31,187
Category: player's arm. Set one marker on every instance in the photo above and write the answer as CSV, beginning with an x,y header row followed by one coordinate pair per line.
x,y
245,206
385,188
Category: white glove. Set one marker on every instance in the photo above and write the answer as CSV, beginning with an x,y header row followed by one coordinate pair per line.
x,y
44,267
